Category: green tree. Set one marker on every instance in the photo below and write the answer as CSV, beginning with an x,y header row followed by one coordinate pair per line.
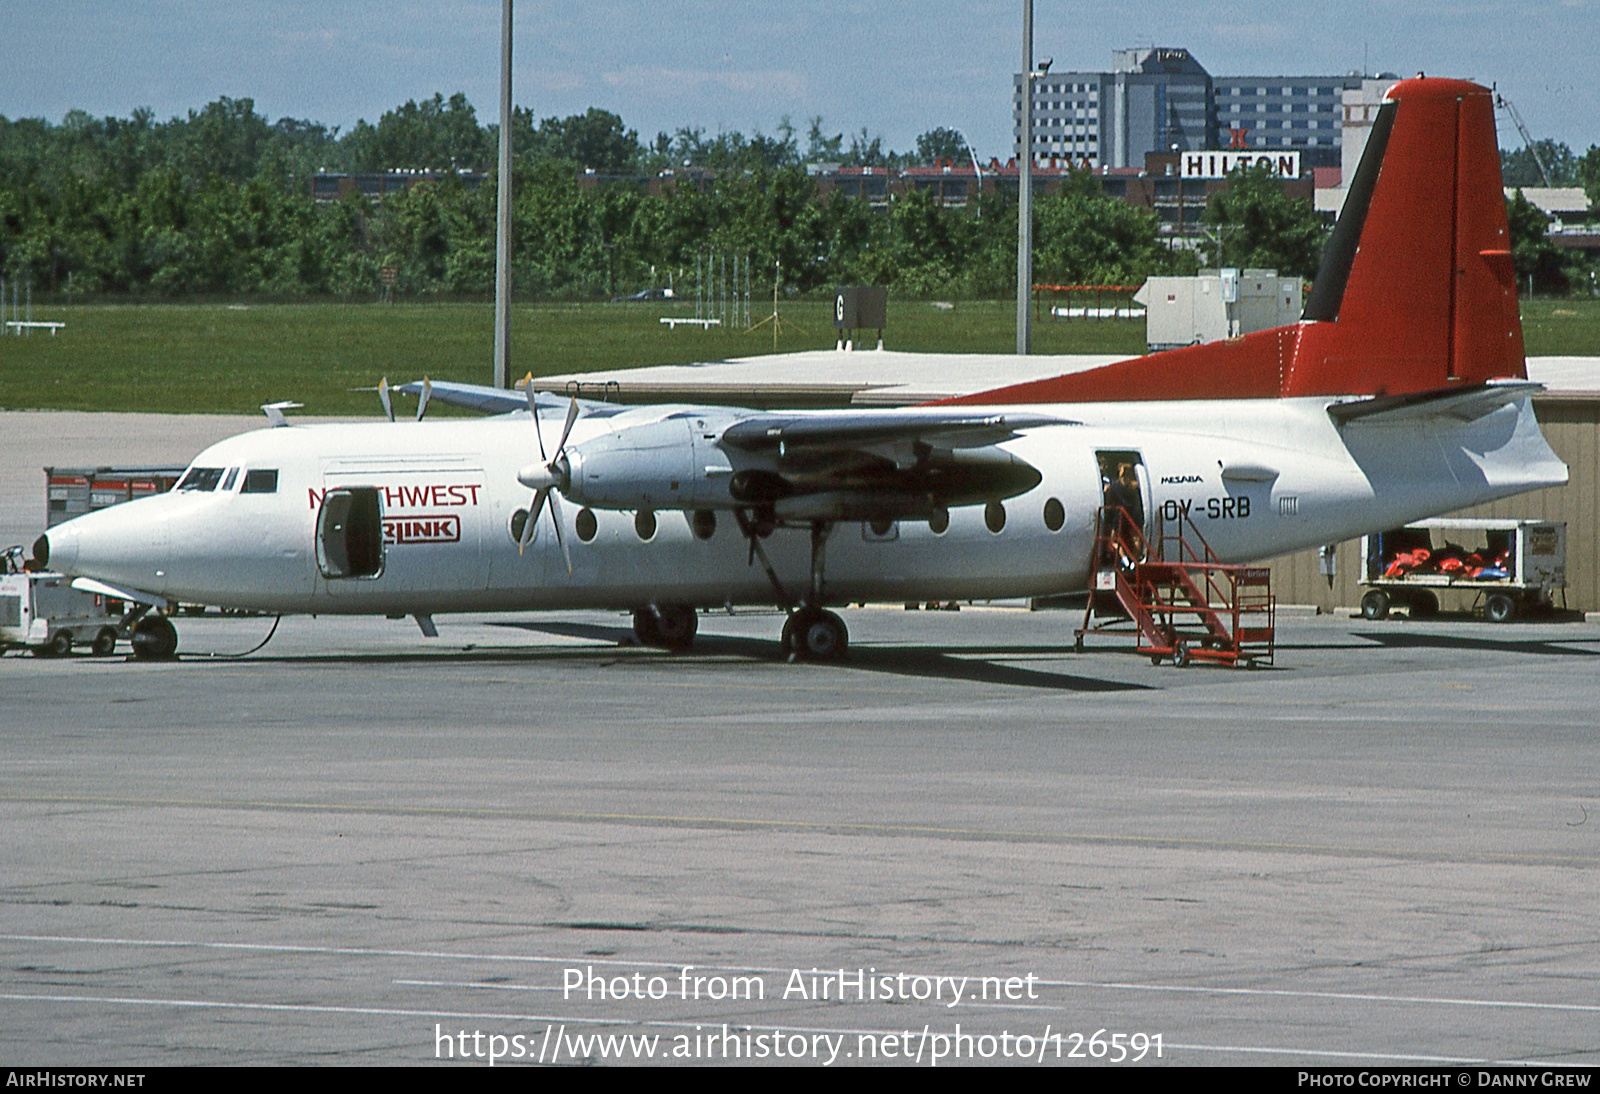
x,y
1260,226
1519,168
1082,237
941,144
1532,253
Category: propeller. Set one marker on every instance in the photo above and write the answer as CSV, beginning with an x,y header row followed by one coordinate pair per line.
x,y
546,477
383,397
422,400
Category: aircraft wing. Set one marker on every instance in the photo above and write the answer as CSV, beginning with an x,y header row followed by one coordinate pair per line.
x,y
488,400
871,465
854,430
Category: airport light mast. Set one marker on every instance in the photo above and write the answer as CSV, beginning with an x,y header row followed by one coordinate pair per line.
x,y
1025,186
502,230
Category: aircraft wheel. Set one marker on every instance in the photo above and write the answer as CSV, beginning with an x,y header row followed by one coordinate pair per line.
x,y
105,642
1499,608
1375,605
1424,605
155,639
812,634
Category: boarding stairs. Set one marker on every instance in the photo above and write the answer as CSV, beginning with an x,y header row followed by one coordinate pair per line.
x,y
1185,604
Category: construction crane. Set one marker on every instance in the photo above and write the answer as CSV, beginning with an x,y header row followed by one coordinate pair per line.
x,y
1527,138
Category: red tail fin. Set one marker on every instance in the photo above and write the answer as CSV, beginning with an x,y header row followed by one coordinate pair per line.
x,y
1415,292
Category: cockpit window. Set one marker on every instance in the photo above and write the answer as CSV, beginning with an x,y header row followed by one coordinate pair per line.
x,y
260,481
201,478
227,483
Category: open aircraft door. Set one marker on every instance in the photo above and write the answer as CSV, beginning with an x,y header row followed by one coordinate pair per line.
x,y
350,533
1124,482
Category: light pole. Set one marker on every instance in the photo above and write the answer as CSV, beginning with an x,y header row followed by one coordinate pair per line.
x,y
502,231
1025,187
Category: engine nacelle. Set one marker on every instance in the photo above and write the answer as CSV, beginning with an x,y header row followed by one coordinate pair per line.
x,y
674,463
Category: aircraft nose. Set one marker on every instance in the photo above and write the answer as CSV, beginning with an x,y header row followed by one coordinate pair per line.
x,y
126,543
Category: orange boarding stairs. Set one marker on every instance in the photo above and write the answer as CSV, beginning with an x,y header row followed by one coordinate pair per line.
x,y
1185,604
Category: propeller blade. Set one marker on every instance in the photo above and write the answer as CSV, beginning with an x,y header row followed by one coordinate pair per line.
x,y
422,400
555,519
530,528
566,430
533,408
383,397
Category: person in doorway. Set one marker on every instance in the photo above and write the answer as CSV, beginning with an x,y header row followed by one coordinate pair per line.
x,y
1123,493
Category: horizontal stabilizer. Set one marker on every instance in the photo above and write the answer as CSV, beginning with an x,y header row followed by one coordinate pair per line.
x,y
1463,404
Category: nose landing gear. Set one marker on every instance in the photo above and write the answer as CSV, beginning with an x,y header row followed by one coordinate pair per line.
x,y
155,639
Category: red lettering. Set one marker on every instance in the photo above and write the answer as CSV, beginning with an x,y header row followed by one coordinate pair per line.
x,y
313,496
457,497
414,495
474,488
435,492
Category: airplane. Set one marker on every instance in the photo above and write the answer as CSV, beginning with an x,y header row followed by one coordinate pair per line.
x,y
1400,394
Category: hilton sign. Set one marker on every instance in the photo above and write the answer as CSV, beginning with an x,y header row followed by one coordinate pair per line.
x,y
1217,165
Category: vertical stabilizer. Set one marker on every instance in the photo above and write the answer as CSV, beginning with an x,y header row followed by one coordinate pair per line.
x,y
1416,290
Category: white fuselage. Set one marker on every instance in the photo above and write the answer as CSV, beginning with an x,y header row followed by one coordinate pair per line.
x,y
1257,477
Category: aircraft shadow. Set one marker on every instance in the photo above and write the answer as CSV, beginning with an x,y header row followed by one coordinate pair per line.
x,y
941,664
1541,647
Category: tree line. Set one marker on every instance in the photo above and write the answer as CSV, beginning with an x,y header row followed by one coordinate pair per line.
x,y
217,203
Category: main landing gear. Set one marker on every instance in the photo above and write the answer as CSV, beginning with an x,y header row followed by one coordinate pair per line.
x,y
811,633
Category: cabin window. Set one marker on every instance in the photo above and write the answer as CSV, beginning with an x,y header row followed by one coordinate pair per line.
x,y
1054,515
644,524
586,524
201,478
703,523
260,481
939,523
994,516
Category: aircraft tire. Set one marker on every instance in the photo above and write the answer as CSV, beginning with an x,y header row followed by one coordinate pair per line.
x,y
155,639
105,642
1375,605
811,634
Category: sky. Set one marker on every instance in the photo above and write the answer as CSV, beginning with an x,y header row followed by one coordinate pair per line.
x,y
896,67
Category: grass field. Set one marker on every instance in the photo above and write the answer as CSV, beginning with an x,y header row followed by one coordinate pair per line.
x,y
222,358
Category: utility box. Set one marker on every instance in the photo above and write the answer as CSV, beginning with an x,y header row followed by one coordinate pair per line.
x,y
860,307
1216,304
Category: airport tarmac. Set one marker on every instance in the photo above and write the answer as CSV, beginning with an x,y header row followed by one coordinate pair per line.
x,y
359,843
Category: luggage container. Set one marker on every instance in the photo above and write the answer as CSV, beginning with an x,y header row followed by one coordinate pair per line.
x,y
72,491
1511,567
